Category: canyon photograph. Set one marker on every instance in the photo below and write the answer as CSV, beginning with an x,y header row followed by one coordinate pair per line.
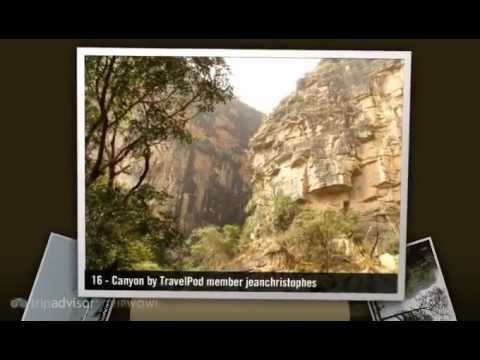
x,y
243,164
426,293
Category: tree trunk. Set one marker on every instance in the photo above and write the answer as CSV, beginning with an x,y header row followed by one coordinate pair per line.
x,y
142,177
95,173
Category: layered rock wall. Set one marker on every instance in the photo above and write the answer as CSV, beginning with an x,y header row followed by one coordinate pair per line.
x,y
208,179
335,142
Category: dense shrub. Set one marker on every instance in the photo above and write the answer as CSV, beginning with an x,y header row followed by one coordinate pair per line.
x,y
269,215
311,234
284,211
211,247
123,231
391,240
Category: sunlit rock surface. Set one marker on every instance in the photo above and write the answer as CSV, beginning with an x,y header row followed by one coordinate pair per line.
x,y
335,142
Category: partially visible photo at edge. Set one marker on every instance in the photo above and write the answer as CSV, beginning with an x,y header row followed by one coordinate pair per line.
x,y
54,293
427,297
285,170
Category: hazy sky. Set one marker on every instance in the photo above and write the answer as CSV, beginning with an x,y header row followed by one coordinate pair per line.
x,y
263,82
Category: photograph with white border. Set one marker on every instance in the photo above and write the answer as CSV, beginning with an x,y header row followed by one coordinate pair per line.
x,y
54,295
242,174
426,297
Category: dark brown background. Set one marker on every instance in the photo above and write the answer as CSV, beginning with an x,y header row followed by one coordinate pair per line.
x,y
38,151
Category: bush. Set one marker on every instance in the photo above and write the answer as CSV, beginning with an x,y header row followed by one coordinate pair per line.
x,y
211,247
284,211
246,231
269,215
134,253
311,234
231,233
391,240
146,266
122,232
260,221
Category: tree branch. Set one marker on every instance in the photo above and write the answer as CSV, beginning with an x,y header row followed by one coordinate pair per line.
x,y
112,165
123,153
372,251
146,168
97,79
123,169
94,127
95,173
184,107
106,84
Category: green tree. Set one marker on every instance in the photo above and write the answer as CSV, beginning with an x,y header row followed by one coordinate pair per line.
x,y
311,235
123,235
231,233
284,211
268,215
133,104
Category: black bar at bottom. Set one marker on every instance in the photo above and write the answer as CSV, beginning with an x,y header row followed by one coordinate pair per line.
x,y
241,281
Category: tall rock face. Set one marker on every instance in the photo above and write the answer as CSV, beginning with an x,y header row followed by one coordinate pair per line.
x,y
208,179
335,142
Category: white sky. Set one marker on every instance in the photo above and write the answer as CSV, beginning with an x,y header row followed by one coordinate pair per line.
x,y
263,82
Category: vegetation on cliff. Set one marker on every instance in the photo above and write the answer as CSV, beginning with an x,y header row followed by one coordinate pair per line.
x,y
133,104
212,247
325,186
281,235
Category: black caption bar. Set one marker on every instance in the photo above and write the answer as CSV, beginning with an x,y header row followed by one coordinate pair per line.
x,y
241,281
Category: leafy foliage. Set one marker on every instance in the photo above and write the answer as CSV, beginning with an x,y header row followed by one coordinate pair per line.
x,y
284,211
391,238
231,233
316,239
133,104
124,232
259,223
271,215
311,234
211,247
147,266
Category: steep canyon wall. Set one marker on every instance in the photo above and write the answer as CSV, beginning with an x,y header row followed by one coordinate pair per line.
x,y
335,143
208,179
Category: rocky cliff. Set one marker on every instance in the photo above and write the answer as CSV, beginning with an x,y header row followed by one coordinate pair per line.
x,y
335,143
208,179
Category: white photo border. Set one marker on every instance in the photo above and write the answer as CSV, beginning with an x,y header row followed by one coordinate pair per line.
x,y
444,284
82,52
